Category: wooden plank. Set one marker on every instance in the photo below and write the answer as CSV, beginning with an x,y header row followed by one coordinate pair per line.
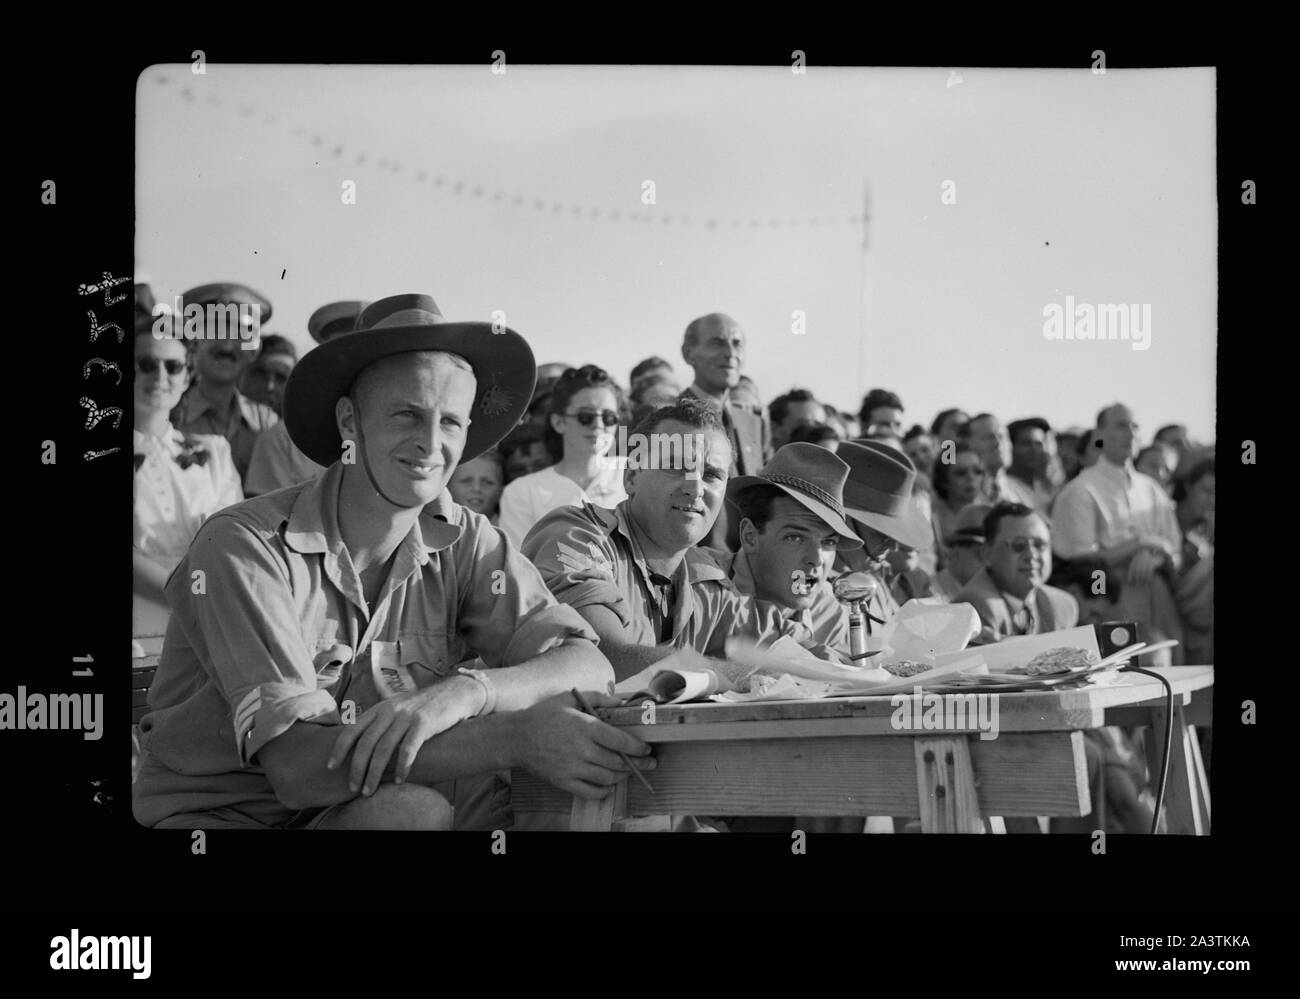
x,y
945,781
1039,774
599,816
1200,781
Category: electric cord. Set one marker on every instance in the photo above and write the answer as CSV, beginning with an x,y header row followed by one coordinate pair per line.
x,y
1169,739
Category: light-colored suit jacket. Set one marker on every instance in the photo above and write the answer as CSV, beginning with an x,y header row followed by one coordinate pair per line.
x,y
1053,608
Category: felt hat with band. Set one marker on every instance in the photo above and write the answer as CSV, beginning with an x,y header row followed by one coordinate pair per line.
x,y
501,360
813,477
879,492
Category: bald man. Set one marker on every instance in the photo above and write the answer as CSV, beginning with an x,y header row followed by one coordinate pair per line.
x,y
714,347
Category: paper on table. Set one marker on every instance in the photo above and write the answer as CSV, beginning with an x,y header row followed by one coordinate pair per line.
x,y
682,676
922,632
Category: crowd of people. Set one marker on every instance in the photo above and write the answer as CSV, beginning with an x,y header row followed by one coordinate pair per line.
x,y
416,519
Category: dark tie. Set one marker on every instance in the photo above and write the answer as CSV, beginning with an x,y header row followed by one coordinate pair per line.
x,y
1023,620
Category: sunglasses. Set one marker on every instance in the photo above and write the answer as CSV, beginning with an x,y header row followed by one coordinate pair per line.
x,y
1022,545
149,366
607,416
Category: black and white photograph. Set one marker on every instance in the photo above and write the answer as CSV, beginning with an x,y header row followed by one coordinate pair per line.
x,y
779,450
691,449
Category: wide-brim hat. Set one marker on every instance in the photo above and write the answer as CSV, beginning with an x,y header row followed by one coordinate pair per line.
x,y
878,492
813,477
501,360
330,320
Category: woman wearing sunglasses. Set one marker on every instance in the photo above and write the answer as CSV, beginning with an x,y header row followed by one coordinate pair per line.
x,y
582,421
957,483
180,479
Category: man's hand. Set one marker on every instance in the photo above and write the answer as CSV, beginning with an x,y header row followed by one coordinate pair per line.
x,y
1143,566
408,719
577,753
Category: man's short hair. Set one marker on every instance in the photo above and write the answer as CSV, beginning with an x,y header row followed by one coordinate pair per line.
x,y
779,407
649,364
875,399
813,433
755,504
917,431
943,418
1167,428
1016,427
1102,414
274,343
692,334
687,410
965,433
1000,512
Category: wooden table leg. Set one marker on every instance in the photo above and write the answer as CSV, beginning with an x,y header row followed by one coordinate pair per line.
x,y
1199,776
945,781
1182,809
599,816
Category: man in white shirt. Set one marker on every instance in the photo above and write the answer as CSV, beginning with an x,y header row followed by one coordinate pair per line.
x,y
1026,480
1113,512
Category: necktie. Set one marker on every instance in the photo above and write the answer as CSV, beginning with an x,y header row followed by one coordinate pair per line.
x,y
1023,620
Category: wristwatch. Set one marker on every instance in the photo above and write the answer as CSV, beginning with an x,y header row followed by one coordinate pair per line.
x,y
488,686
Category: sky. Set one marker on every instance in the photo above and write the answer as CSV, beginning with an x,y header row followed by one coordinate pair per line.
x,y
989,196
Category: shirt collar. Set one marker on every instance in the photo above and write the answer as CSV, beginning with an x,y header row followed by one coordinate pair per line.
x,y
170,439
312,526
195,404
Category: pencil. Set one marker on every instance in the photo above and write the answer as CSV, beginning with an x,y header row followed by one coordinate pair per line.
x,y
583,703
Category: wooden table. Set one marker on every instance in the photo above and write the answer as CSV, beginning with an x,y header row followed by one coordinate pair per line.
x,y
843,757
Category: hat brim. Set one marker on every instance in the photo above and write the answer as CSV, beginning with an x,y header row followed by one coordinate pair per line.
x,y
502,362
848,539
912,528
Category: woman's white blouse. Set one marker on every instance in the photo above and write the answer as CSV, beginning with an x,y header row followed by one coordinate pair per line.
x,y
531,497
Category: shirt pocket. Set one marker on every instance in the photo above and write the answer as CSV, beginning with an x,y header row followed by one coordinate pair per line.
x,y
331,659
427,656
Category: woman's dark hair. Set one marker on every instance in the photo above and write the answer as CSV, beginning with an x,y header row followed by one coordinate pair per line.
x,y
943,417
943,469
573,381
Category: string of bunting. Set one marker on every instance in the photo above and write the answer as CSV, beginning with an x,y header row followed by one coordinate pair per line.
x,y
458,188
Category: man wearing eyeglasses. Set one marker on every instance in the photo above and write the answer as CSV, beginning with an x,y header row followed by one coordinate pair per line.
x,y
1010,594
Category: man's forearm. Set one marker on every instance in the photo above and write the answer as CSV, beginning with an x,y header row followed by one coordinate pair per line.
x,y
295,761
576,663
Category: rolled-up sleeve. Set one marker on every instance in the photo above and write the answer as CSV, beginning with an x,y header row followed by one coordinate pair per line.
x,y
233,591
577,562
506,613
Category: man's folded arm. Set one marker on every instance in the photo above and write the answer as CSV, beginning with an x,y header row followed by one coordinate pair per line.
x,y
295,760
627,658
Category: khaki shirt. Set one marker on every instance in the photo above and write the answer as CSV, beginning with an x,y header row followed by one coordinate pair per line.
x,y
261,605
240,424
827,620
591,556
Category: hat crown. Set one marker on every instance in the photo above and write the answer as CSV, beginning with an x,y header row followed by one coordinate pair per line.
x,y
810,469
400,310
879,479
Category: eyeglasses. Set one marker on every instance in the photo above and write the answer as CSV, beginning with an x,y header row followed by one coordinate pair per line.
x,y
149,366
1022,545
606,416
